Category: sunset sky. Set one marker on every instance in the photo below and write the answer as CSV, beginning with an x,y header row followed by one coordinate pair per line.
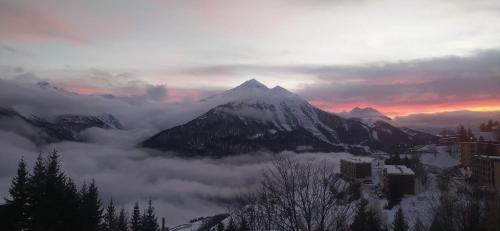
x,y
401,57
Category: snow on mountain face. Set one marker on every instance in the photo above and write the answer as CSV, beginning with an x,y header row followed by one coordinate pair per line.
x,y
285,110
60,128
252,91
367,115
253,117
81,122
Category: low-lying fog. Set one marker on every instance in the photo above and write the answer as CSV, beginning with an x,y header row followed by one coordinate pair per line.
x,y
182,189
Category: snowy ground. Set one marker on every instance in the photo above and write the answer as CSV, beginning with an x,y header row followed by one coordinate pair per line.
x,y
440,159
419,205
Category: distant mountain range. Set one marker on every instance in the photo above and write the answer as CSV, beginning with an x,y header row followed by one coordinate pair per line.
x,y
59,128
367,115
253,117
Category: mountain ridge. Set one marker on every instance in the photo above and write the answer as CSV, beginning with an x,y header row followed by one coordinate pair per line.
x,y
65,127
254,117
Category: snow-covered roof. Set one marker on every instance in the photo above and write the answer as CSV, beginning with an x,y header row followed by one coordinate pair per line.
x,y
398,170
488,136
425,148
359,159
488,157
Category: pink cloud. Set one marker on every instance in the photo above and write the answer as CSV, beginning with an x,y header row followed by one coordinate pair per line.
x,y
401,109
182,95
29,23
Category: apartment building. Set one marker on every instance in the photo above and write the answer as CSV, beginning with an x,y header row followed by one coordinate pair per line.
x,y
356,167
486,171
399,178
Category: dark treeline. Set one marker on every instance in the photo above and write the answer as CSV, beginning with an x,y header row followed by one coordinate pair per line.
x,y
47,199
489,126
468,209
465,134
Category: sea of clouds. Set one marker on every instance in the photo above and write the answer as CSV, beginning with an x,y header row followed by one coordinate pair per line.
x,y
182,189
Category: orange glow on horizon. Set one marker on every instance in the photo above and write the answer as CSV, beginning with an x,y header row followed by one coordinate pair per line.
x,y
177,95
403,110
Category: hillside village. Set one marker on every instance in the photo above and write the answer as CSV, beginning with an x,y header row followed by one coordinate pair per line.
x,y
415,179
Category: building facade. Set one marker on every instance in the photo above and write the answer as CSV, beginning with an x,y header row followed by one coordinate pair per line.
x,y
356,167
467,150
398,178
486,171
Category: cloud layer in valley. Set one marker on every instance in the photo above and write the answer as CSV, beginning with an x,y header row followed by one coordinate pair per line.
x,y
182,189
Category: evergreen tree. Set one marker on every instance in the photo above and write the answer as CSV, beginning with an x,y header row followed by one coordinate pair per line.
x,y
19,202
470,135
419,225
374,223
399,223
37,195
37,199
90,208
110,217
71,207
220,226
55,190
490,149
149,220
121,224
365,218
135,221
244,225
231,226
394,196
462,133
489,126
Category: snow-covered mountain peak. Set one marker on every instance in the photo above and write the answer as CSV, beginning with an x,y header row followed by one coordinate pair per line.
x,y
253,117
278,90
365,111
254,92
283,109
252,83
368,115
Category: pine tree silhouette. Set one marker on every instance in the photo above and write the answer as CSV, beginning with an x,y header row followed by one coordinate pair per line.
x,y
110,217
121,224
135,221
90,208
18,204
231,226
149,220
36,190
399,223
365,218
